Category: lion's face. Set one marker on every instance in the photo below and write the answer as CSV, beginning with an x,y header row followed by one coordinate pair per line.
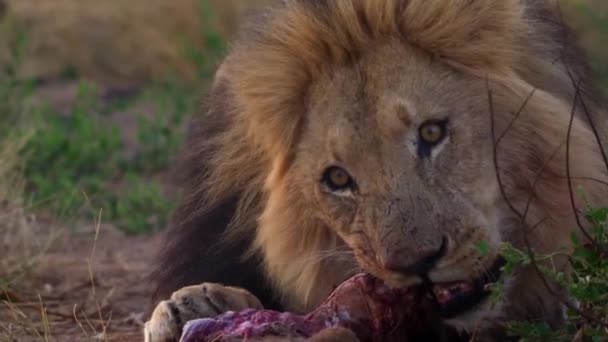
x,y
398,160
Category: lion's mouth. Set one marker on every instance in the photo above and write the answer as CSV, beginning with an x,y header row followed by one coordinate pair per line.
x,y
456,298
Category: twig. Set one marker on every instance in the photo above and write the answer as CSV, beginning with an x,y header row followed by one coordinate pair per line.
x,y
78,321
45,320
574,82
528,246
570,188
517,115
591,179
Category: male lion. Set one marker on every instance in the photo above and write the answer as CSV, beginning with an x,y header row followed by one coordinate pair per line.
x,y
354,135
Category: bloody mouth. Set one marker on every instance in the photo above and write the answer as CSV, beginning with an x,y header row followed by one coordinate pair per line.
x,y
456,298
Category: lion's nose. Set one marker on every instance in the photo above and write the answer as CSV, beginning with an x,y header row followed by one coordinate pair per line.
x,y
420,263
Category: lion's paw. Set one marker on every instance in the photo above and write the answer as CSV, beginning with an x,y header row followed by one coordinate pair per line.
x,y
193,302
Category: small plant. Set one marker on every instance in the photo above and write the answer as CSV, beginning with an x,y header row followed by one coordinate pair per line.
x,y
158,139
587,285
139,207
20,245
214,45
71,156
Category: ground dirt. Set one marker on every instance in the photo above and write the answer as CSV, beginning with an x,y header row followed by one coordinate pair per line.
x,y
91,283
106,299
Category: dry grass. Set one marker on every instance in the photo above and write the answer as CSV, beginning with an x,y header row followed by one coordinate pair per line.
x,y
117,41
83,286
23,241
122,42
20,245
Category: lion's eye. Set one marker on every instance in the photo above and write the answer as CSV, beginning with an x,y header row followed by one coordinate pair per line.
x,y
432,132
337,179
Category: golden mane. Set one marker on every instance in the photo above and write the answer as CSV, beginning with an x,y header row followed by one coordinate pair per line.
x,y
258,101
271,66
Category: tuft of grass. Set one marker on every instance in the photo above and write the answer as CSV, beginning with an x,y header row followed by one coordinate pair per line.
x,y
141,206
75,163
72,164
159,135
70,155
21,324
21,245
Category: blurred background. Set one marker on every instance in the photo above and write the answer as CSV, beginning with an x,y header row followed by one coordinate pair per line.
x,y
94,98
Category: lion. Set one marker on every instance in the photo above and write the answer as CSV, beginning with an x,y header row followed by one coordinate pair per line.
x,y
394,137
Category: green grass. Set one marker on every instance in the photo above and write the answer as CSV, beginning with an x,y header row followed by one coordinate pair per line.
x,y
70,155
75,163
140,206
75,166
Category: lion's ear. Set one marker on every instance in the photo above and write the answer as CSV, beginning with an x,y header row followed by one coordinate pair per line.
x,y
482,35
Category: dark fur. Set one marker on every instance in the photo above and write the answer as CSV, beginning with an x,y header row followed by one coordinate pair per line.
x,y
193,252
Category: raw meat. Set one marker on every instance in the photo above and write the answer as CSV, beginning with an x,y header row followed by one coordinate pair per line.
x,y
362,304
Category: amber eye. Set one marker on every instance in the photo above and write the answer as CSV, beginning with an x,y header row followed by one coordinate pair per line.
x,y
337,179
433,132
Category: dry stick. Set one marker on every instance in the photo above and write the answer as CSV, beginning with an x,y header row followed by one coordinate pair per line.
x,y
45,320
591,179
533,260
19,315
90,264
576,84
85,284
538,175
78,321
32,304
90,267
9,295
72,317
495,154
89,322
517,115
570,188
537,179
59,314
539,272
583,103
599,248
536,225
